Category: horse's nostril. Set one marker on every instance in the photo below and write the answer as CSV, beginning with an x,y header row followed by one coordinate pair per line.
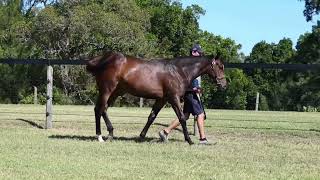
x,y
225,87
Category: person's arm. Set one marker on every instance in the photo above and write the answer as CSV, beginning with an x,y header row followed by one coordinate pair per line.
x,y
196,86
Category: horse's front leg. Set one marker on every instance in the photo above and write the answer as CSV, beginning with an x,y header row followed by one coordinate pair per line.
x,y
158,105
175,103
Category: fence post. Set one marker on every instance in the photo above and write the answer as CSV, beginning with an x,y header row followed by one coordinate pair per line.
x,y
141,102
257,101
49,97
35,95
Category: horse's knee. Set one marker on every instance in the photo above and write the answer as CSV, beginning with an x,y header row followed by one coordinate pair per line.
x,y
183,121
152,116
187,116
183,117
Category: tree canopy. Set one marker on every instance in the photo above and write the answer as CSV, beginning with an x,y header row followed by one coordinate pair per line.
x,y
312,8
58,29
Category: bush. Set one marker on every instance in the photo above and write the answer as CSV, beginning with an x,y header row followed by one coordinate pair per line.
x,y
41,99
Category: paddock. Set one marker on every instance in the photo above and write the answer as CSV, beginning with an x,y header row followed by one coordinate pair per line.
x,y
251,145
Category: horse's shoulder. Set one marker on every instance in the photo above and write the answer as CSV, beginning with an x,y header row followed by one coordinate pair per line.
x,y
132,59
160,61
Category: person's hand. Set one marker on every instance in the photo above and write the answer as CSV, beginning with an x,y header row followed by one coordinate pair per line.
x,y
197,90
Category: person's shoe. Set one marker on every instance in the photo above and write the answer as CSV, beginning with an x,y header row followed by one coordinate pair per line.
x,y
163,136
204,141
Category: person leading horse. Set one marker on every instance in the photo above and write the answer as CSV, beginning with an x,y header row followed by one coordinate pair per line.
x,y
163,80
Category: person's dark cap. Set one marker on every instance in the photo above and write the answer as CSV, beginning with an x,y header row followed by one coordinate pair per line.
x,y
197,48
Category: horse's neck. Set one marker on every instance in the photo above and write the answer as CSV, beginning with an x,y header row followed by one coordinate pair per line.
x,y
196,68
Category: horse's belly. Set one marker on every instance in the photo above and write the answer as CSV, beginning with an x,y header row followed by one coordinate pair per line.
x,y
144,82
147,91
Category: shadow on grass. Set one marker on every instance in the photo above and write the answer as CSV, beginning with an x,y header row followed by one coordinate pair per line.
x,y
33,124
94,138
244,127
166,125
315,130
266,128
120,138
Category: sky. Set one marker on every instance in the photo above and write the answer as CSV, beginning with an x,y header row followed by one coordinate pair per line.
x,y
251,21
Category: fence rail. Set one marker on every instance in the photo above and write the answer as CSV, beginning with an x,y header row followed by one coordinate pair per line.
x,y
50,62
295,67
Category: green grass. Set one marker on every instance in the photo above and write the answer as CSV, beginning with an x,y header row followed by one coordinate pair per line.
x,y
251,145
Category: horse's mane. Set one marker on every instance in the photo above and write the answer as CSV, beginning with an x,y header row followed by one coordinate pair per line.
x,y
180,60
188,60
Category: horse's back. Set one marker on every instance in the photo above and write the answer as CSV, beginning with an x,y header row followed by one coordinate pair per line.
x,y
99,64
150,79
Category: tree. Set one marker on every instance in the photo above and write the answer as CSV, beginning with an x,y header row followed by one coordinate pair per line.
x,y
75,29
312,8
13,29
308,47
305,85
226,47
270,83
176,29
240,88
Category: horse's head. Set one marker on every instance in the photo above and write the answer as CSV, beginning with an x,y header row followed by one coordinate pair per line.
x,y
216,71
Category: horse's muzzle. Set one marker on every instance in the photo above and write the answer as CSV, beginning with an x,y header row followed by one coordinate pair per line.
x,y
222,84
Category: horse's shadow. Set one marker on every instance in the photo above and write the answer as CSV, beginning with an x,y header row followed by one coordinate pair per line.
x,y
135,139
94,138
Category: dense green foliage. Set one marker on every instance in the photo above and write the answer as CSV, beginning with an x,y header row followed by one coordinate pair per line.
x,y
144,28
312,8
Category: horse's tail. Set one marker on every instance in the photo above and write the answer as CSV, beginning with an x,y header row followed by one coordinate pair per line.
x,y
94,64
98,64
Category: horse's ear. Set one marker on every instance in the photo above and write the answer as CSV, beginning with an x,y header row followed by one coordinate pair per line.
x,y
213,61
218,55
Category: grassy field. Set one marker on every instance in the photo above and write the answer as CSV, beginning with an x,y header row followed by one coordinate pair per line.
x,y
251,145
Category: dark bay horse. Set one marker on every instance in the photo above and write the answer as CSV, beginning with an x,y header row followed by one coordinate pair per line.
x,y
163,80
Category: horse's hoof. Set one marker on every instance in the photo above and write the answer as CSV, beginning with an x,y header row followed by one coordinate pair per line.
x,y
190,142
100,139
109,138
142,137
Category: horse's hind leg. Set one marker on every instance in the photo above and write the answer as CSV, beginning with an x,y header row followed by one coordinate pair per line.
x,y
111,100
154,112
98,111
108,124
104,94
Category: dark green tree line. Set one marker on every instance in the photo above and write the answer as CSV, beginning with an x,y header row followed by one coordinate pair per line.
x,y
312,8
59,29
